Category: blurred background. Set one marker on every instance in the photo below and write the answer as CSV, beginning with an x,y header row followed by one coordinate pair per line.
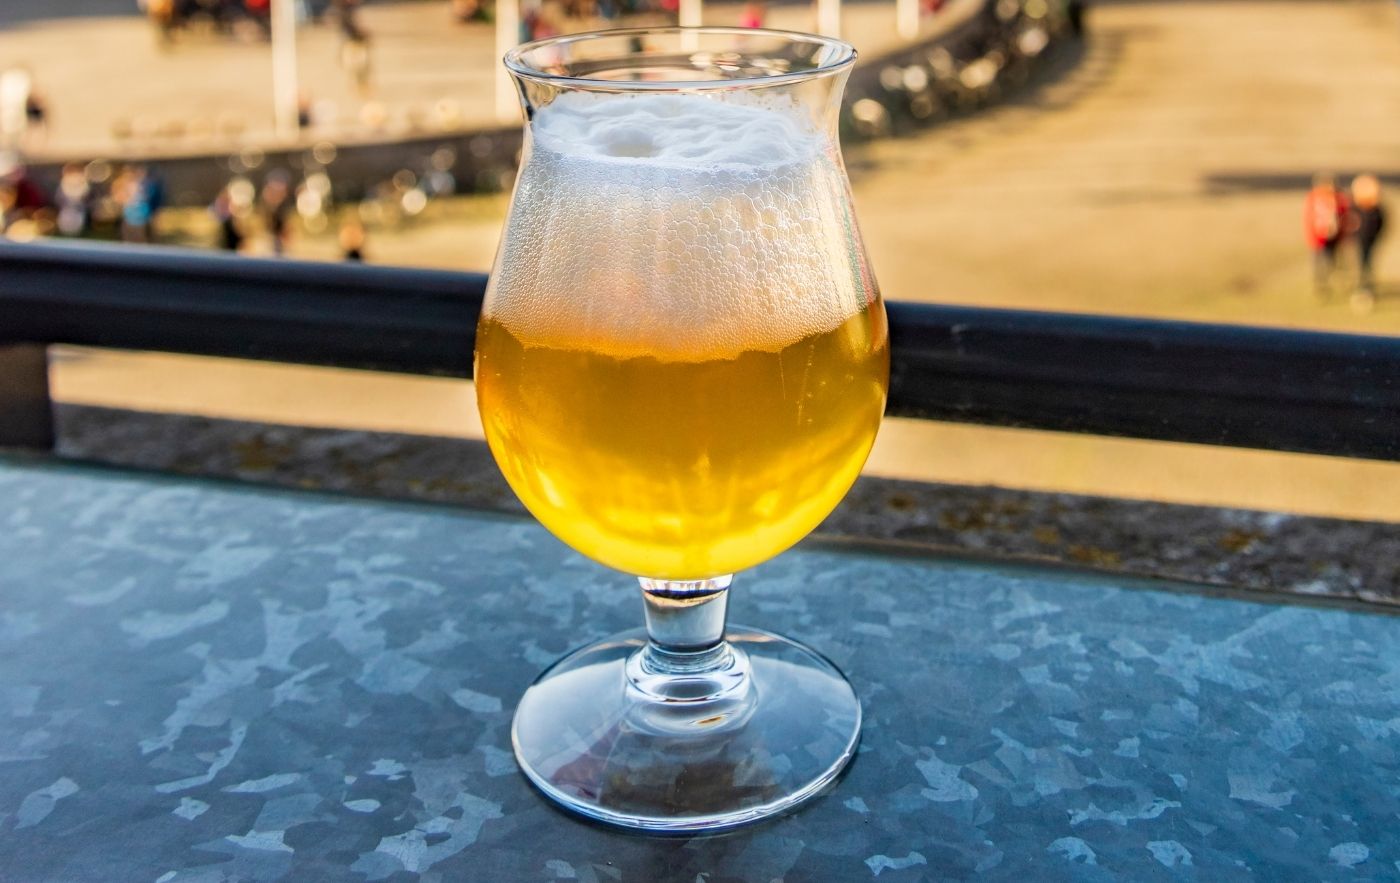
x,y
1205,160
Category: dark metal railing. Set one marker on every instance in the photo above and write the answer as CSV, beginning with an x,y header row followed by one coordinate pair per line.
x,y
1176,381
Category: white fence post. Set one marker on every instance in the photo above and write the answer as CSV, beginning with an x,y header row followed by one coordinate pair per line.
x,y
829,18
906,14
285,96
507,36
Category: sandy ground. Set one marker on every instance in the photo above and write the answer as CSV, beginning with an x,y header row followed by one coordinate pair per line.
x,y
111,85
1160,175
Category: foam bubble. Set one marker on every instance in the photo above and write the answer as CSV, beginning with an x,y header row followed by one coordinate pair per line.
x,y
680,226
685,131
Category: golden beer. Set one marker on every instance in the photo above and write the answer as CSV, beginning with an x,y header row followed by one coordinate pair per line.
x,y
689,468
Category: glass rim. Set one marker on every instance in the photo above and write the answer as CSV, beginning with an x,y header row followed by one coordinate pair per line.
x,y
514,60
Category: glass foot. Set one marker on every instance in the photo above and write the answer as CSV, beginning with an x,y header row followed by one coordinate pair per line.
x,y
606,734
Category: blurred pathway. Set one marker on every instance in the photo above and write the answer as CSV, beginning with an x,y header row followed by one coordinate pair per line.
x,y
111,86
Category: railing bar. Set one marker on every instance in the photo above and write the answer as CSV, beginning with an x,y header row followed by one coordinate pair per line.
x,y
1316,392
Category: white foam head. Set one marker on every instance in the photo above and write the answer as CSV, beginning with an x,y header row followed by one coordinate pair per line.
x,y
680,226
678,131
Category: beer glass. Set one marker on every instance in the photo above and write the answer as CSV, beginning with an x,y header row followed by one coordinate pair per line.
x,y
681,366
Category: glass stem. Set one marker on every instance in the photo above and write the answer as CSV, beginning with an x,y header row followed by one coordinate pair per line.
x,y
685,624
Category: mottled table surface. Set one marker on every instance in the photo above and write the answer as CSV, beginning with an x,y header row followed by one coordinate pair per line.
x,y
209,682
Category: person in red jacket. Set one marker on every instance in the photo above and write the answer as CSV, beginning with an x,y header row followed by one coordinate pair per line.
x,y
1326,214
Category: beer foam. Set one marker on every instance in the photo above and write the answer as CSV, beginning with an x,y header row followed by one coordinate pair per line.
x,y
679,226
674,130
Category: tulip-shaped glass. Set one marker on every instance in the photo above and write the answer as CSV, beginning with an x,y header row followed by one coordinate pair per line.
x,y
681,366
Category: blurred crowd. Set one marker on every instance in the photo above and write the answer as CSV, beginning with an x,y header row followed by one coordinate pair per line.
x,y
89,199
258,211
551,17
1342,228
252,18
994,53
224,16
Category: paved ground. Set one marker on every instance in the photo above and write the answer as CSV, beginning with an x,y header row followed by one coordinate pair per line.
x,y
112,87
1161,175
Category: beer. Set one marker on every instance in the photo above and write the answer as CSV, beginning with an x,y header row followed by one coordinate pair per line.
x,y
681,368
683,469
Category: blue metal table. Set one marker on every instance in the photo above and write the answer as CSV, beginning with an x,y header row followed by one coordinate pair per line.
x,y
209,682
